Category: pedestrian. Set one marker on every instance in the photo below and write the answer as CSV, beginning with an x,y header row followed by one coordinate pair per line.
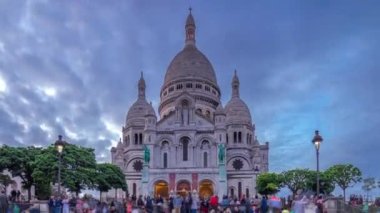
x,y
320,204
204,205
98,208
3,202
177,202
264,204
187,203
194,203
65,204
51,204
79,205
171,204
129,206
112,207
140,202
214,202
57,205
149,205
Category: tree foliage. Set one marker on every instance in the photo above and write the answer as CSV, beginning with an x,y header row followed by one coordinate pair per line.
x,y
344,175
296,179
78,168
326,184
19,162
269,183
109,176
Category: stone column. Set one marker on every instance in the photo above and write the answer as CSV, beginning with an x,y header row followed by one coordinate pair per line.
x,y
222,184
145,180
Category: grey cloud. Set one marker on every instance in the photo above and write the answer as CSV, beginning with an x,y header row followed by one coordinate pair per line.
x,y
302,66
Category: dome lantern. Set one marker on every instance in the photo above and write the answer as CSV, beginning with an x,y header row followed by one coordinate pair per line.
x,y
190,29
235,85
141,87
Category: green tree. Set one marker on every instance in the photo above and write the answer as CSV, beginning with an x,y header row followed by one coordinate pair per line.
x,y
296,179
78,168
19,162
326,184
109,176
269,183
5,180
344,175
368,185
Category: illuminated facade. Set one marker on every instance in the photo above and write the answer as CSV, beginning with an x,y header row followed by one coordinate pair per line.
x,y
192,123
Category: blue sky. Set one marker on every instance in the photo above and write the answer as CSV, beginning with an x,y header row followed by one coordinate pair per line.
x,y
71,68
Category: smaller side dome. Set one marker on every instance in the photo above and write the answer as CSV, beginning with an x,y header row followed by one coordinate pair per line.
x,y
237,112
138,110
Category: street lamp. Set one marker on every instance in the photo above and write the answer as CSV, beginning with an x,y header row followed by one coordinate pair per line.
x,y
317,140
59,145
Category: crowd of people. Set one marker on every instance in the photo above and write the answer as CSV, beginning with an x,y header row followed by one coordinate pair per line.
x,y
179,203
190,202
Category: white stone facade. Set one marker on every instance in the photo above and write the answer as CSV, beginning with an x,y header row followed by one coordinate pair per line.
x,y
184,141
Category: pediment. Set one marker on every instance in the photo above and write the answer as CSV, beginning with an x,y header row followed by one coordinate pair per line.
x,y
170,122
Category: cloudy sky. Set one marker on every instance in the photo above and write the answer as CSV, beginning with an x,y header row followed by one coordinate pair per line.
x,y
71,68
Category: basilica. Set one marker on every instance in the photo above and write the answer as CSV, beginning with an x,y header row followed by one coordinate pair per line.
x,y
195,144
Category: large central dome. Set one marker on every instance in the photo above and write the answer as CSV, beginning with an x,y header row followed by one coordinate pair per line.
x,y
190,63
190,73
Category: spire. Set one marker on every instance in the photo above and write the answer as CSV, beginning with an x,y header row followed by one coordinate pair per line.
x,y
190,29
235,85
141,86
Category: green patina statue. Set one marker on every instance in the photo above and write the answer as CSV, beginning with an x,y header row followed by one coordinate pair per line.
x,y
221,153
146,154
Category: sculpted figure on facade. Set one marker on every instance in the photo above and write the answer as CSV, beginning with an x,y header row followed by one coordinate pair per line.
x,y
146,154
221,153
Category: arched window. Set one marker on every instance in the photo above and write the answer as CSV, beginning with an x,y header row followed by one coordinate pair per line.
x,y
165,160
136,139
205,159
239,137
140,138
247,193
134,189
185,149
235,137
165,144
185,103
205,144
232,194
248,138
227,138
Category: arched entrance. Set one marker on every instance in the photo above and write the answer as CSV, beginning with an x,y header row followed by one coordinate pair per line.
x,y
161,188
183,186
206,188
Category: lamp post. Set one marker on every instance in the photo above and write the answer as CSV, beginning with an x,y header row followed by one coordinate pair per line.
x,y
317,140
59,145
